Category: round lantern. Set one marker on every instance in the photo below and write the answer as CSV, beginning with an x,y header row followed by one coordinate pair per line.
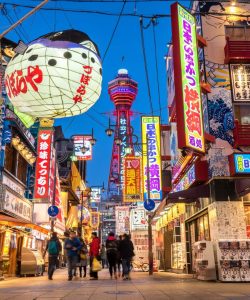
x,y
58,75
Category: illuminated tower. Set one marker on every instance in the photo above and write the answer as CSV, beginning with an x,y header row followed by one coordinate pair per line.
x,y
122,91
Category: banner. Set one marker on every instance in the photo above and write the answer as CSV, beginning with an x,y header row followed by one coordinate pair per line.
x,y
151,158
132,190
94,219
187,80
41,189
122,219
81,141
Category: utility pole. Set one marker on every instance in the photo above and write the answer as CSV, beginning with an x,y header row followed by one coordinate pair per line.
x,y
150,237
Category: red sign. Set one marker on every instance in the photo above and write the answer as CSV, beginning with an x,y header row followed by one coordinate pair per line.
x,y
132,189
43,163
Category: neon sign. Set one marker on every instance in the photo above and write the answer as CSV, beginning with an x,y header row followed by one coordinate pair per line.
x,y
151,152
242,163
132,188
187,80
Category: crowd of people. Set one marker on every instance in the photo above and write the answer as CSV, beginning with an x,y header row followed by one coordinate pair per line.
x,y
116,254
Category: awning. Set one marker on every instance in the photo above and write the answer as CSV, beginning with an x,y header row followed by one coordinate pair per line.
x,y
241,188
10,221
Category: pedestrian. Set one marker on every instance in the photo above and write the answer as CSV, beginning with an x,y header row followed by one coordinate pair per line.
x,y
94,253
72,245
112,249
119,260
103,256
126,249
83,258
54,248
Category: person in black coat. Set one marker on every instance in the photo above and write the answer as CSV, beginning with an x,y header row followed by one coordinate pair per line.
x,y
126,250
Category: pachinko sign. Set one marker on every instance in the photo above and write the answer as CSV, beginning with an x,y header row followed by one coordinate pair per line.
x,y
187,80
81,141
151,158
43,164
132,188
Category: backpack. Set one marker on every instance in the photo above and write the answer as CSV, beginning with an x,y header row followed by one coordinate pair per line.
x,y
52,248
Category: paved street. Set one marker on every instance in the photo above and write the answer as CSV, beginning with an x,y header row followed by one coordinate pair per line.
x,y
159,287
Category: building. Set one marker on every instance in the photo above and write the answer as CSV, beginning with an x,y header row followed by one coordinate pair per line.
x,y
209,113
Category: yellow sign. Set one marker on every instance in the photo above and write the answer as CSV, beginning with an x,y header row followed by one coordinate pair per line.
x,y
151,157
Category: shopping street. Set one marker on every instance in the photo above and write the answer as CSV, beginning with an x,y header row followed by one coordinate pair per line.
x,y
161,286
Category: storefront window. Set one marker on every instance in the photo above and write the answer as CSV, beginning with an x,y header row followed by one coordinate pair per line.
x,y
21,169
10,159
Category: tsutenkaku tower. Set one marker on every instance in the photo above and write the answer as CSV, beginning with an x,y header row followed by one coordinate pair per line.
x,y
122,91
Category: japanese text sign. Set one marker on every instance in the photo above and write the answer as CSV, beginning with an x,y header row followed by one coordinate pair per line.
x,y
242,163
132,188
122,219
81,141
151,157
187,180
187,80
43,163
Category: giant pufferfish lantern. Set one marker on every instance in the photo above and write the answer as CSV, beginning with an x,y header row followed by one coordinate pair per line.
x,y
57,75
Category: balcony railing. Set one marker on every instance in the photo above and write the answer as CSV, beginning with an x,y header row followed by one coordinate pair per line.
x,y
241,134
237,51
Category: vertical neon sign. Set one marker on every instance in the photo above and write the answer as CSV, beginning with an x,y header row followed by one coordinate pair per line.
x,y
151,152
187,80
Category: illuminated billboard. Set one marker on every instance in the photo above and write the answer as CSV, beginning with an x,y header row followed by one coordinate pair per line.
x,y
45,137
82,147
57,75
132,188
151,157
187,80
239,163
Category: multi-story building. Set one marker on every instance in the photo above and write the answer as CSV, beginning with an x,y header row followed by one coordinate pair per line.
x,y
208,67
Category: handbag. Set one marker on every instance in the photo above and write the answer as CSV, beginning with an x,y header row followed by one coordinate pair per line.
x,y
96,265
83,256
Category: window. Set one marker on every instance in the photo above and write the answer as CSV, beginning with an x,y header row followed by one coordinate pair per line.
x,y
21,169
10,159
238,33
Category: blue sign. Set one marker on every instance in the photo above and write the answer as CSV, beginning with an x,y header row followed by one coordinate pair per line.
x,y
242,163
53,211
149,204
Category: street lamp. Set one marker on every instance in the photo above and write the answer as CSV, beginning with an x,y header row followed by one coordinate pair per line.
x,y
109,131
92,140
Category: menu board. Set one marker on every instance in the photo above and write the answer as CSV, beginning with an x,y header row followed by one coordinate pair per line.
x,y
240,76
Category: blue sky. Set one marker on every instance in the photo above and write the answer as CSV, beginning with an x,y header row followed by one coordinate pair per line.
x,y
125,51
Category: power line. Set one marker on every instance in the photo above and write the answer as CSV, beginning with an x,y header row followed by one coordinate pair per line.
x,y
113,33
145,65
156,65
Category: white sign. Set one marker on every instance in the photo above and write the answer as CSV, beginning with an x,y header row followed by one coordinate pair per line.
x,y
138,219
18,188
122,219
17,205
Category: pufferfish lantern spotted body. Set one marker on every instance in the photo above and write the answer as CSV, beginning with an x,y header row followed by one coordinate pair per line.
x,y
58,75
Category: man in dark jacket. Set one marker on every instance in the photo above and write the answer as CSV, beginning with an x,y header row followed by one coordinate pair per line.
x,y
112,250
126,249
72,247
53,247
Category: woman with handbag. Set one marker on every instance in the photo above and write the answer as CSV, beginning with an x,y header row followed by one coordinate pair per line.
x,y
93,253
83,259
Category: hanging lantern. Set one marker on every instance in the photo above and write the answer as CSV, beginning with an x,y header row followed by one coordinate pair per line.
x,y
58,75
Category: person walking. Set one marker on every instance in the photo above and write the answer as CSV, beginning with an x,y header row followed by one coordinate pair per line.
x,y
54,248
83,259
103,256
112,249
93,253
126,249
72,246
119,260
